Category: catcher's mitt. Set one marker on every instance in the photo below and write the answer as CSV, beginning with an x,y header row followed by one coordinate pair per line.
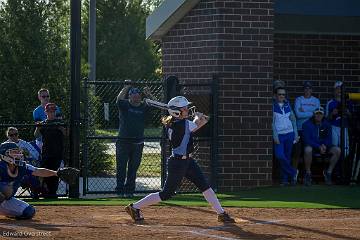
x,y
68,175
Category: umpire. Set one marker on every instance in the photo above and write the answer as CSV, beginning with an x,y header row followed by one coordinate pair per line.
x,y
130,143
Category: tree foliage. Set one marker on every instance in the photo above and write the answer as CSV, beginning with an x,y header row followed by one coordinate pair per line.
x,y
34,49
121,48
34,53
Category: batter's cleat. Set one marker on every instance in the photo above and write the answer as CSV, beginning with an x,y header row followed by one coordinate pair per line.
x,y
225,218
134,213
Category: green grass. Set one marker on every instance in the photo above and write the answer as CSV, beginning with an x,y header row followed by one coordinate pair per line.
x,y
267,197
148,132
150,165
107,132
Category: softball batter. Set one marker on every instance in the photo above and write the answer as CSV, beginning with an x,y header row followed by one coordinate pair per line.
x,y
180,164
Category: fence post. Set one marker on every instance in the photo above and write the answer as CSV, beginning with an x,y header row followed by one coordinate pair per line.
x,y
344,173
215,132
75,56
85,155
171,88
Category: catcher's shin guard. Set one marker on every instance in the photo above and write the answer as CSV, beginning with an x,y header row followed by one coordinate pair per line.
x,y
225,218
134,213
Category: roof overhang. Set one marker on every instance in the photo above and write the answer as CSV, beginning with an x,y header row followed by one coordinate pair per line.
x,y
166,16
291,16
328,25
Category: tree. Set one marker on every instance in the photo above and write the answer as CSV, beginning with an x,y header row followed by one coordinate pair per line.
x,y
34,53
122,51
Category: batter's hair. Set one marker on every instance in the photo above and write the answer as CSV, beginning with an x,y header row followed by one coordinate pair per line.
x,y
167,120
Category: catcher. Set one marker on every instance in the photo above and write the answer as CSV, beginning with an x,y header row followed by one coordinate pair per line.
x,y
181,164
12,170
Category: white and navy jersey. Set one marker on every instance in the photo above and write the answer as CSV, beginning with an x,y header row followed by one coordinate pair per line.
x,y
180,136
15,182
281,118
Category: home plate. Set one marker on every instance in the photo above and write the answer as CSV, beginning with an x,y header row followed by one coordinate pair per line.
x,y
241,220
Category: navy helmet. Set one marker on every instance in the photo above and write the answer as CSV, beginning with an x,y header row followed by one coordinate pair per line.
x,y
12,154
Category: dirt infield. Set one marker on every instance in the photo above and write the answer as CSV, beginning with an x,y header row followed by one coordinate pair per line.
x,y
165,222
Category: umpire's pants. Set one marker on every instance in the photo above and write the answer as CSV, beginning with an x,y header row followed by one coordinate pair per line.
x,y
52,183
127,155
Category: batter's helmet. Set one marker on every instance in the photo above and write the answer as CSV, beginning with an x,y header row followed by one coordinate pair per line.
x,y
175,104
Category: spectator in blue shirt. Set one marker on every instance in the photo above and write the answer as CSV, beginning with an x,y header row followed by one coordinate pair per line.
x,y
317,139
304,108
285,135
39,114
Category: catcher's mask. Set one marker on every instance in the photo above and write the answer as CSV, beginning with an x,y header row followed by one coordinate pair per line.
x,y
176,103
12,154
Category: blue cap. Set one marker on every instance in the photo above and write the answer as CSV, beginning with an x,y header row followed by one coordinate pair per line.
x,y
134,91
338,84
307,84
319,110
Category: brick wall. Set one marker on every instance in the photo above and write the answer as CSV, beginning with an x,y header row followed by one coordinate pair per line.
x,y
234,40
322,59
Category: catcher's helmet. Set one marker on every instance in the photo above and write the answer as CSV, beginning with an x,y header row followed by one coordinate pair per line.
x,y
11,153
175,104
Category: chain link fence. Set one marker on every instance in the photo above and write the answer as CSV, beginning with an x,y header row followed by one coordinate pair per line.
x,y
101,134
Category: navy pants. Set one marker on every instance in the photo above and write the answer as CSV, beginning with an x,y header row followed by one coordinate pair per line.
x,y
177,169
283,154
128,156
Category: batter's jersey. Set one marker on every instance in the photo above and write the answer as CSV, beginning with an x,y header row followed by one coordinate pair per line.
x,y
180,136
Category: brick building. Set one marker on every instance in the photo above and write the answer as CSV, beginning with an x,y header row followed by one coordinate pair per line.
x,y
248,44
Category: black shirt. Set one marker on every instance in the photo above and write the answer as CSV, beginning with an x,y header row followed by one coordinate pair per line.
x,y
53,139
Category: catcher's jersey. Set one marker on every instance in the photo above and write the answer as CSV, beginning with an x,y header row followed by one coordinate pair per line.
x,y
14,182
180,136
